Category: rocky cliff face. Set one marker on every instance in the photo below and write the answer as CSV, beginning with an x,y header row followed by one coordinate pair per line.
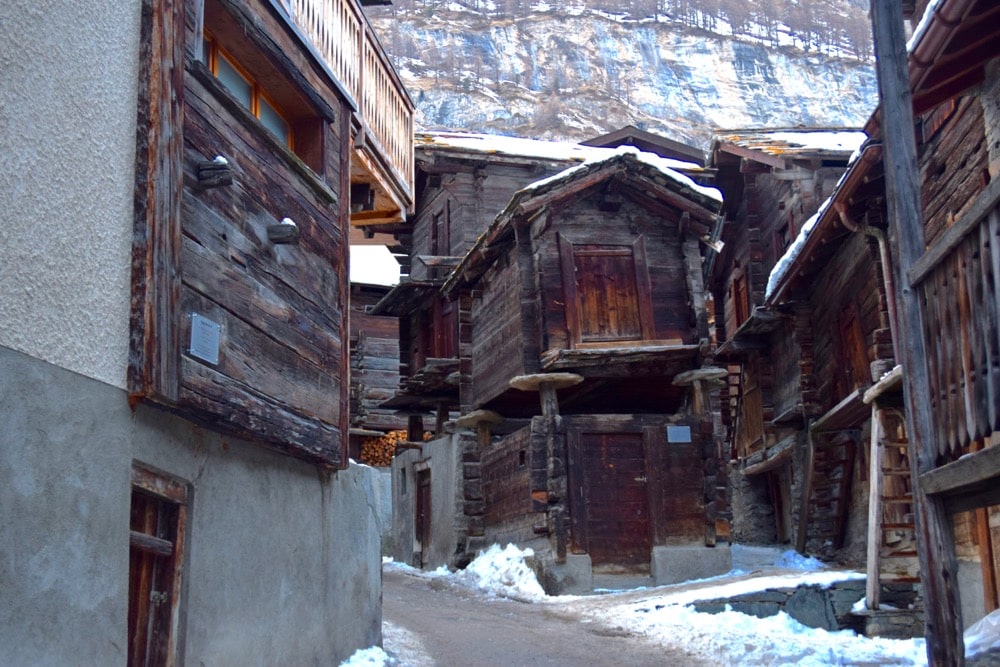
x,y
576,72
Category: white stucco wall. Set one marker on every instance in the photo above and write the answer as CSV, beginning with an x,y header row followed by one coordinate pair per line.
x,y
68,76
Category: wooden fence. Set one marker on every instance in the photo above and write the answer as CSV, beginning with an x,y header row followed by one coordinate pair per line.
x,y
341,33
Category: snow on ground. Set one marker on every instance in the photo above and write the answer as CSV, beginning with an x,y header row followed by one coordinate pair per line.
x,y
663,613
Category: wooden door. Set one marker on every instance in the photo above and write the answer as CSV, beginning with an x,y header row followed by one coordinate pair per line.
x,y
156,538
611,510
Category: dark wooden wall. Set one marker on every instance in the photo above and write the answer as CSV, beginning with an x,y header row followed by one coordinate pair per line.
x,y
850,281
497,344
282,372
374,363
953,162
675,474
507,468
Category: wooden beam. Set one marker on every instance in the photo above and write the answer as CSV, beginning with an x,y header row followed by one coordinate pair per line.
x,y
155,344
935,541
753,155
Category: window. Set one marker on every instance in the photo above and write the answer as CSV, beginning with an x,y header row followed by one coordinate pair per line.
x,y
247,91
607,293
156,542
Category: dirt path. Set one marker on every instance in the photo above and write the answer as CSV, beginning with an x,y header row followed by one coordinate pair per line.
x,y
433,622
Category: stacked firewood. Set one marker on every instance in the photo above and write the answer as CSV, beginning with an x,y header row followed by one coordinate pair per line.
x,y
379,451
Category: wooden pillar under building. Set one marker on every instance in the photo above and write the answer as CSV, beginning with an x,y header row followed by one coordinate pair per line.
x,y
482,421
415,428
547,385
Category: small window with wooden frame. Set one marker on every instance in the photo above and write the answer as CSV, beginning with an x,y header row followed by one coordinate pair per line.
x,y
247,90
607,293
156,548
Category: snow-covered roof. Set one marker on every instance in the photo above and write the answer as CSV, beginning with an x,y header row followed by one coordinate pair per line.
x,y
787,261
665,166
708,198
561,151
925,22
794,141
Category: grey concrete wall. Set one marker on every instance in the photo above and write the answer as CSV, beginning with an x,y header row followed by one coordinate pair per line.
x,y
68,81
443,457
282,559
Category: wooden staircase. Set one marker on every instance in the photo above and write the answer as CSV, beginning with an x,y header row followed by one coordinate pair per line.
x,y
892,555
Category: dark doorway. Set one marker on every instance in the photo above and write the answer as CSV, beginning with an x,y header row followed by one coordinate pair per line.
x,y
422,526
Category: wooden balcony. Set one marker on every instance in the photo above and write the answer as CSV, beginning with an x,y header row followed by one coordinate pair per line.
x,y
959,282
382,153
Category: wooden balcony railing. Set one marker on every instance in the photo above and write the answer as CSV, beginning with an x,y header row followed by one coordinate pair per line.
x,y
958,280
341,33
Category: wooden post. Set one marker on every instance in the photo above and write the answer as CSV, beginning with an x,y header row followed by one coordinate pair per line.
x,y
935,543
415,428
546,385
807,483
872,587
483,421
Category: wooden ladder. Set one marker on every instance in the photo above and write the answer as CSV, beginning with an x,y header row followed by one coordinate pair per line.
x,y
892,555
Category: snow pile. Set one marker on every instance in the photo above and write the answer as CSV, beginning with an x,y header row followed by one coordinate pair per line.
x,y
793,560
504,573
983,635
732,638
369,657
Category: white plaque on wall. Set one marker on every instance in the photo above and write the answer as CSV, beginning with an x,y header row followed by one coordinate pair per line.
x,y
205,338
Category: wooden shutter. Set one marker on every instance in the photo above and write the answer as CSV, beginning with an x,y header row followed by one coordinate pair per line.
x,y
607,293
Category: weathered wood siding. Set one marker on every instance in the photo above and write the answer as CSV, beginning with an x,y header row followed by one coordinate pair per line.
x,y
497,344
374,365
959,284
281,376
953,165
507,468
848,286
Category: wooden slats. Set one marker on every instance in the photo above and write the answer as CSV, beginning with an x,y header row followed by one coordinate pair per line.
x,y
961,311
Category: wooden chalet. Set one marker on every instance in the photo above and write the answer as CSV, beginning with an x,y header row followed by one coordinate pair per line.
x,y
853,497
585,335
271,127
462,181
774,182
943,201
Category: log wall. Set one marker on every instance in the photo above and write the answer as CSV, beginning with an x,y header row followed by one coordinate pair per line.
x,y
497,344
281,375
850,281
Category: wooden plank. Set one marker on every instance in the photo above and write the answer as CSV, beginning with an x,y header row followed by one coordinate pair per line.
x,y
154,336
571,298
151,544
991,320
807,489
643,288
